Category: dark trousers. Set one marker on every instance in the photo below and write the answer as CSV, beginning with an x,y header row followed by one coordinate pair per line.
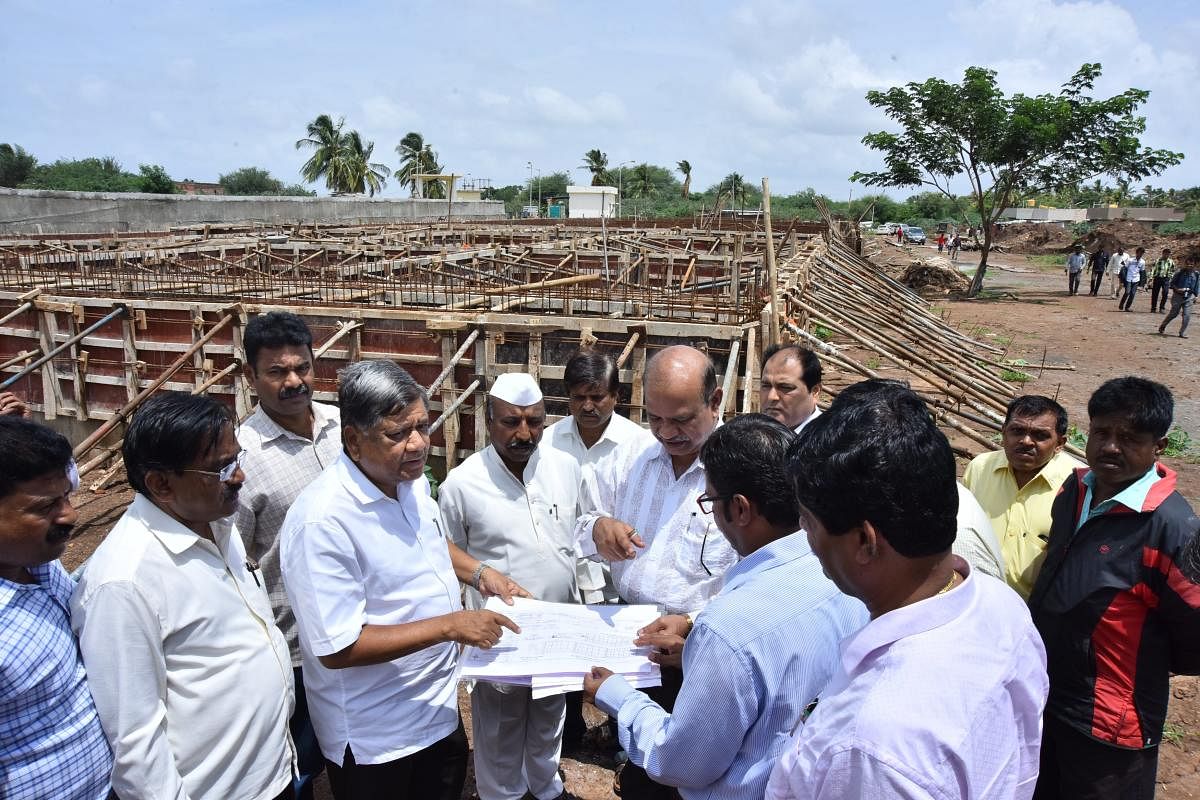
x,y
435,773
635,783
1131,290
1073,282
1159,291
308,752
1097,279
1077,767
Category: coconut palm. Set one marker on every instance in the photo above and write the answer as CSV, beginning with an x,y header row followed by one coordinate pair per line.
x,y
355,173
735,185
325,138
686,169
417,157
641,181
596,163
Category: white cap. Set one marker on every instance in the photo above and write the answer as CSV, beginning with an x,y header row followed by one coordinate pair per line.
x,y
518,388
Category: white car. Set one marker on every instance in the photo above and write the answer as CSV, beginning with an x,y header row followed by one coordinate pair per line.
x,y
886,229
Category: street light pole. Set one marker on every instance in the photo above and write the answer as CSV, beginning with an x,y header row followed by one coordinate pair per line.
x,y
620,185
530,165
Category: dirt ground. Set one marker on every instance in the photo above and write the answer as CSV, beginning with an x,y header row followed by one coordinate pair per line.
x,y
1026,308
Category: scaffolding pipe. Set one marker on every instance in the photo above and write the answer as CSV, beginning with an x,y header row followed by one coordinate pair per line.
x,y
458,401
454,359
112,422
119,311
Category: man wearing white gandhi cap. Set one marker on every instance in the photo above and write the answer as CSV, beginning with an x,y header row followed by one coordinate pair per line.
x,y
513,507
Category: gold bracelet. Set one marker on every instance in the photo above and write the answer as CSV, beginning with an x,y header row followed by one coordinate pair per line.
x,y
688,619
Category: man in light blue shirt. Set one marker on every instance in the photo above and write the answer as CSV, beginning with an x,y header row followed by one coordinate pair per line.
x,y
1074,268
760,652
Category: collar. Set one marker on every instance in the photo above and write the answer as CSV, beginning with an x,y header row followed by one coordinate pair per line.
x,y
816,413
783,550
531,466
1053,472
272,430
661,455
356,482
932,612
170,532
42,580
1145,494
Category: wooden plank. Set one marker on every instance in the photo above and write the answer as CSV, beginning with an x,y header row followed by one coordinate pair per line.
x,y
750,385
450,430
51,389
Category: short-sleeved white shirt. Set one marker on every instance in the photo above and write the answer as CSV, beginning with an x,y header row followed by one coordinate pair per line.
x,y
352,557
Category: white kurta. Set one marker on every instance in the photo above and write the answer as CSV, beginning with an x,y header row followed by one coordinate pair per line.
x,y
595,583
525,531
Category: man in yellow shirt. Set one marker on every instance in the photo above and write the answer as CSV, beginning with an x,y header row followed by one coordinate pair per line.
x,y
1016,486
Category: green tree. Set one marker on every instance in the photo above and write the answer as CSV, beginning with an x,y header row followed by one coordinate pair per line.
x,y
16,165
417,157
685,168
641,181
1009,147
83,175
355,171
596,163
153,179
735,186
257,181
325,139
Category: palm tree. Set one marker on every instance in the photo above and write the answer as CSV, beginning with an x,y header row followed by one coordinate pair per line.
x,y
326,140
735,184
417,157
354,171
596,163
641,183
686,169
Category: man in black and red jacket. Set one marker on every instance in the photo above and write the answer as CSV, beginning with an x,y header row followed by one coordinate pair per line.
x,y
1115,611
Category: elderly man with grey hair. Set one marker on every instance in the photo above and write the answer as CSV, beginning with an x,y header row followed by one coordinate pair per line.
x,y
374,583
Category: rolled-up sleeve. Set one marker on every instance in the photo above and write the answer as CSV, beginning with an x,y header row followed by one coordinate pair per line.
x,y
120,639
326,585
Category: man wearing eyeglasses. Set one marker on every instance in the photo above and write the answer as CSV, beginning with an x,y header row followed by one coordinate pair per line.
x,y
191,676
289,440
752,664
640,502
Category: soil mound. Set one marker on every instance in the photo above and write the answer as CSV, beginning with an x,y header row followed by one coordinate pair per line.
x,y
934,275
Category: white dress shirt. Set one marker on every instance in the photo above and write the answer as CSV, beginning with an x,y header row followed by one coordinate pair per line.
x,y
816,413
524,530
685,558
1116,261
278,465
192,679
976,541
352,557
564,436
939,699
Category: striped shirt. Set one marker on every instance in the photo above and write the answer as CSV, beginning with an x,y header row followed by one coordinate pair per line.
x,y
760,652
685,557
51,742
278,465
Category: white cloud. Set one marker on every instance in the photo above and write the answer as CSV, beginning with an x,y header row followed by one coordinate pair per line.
x,y
487,97
556,107
93,90
744,91
383,112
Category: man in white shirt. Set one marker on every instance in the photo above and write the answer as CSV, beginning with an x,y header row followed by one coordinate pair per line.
x,y
791,385
941,694
191,677
639,503
1134,268
512,506
374,583
975,540
288,441
592,431
1115,262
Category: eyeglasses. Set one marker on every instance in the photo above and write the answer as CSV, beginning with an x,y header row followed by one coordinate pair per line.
x,y
225,474
703,544
705,501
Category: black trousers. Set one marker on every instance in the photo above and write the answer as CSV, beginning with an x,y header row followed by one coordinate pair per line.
x,y
1075,766
1160,290
635,783
1097,279
1126,301
435,773
1073,282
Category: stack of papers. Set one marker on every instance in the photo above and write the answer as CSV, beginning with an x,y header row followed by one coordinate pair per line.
x,y
559,643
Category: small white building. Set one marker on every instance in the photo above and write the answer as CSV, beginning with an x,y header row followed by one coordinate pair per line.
x,y
592,202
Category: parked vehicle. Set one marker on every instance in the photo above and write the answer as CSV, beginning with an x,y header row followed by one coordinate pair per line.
x,y
914,234
887,229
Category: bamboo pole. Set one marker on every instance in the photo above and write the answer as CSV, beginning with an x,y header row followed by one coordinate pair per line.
x,y
772,274
458,401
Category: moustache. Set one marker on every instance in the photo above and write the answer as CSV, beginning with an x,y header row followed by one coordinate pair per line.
x,y
521,446
299,391
59,533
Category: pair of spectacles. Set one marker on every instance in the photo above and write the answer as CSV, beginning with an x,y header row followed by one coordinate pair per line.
x,y
225,474
705,501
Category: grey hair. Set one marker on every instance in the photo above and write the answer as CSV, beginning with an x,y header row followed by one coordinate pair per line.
x,y
368,391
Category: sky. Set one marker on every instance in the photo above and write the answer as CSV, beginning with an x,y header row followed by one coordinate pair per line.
x,y
770,88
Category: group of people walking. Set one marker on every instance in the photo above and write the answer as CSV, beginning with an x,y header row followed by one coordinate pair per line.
x,y
1129,273
841,617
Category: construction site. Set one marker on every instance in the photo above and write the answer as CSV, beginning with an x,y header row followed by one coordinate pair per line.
x,y
93,325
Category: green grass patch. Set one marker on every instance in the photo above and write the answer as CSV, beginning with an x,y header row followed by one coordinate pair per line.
x,y
1048,260
873,363
1076,437
1178,443
822,333
1015,376
1174,733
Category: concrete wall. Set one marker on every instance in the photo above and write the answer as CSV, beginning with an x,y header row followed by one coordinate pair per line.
x,y
1046,214
1137,214
38,211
